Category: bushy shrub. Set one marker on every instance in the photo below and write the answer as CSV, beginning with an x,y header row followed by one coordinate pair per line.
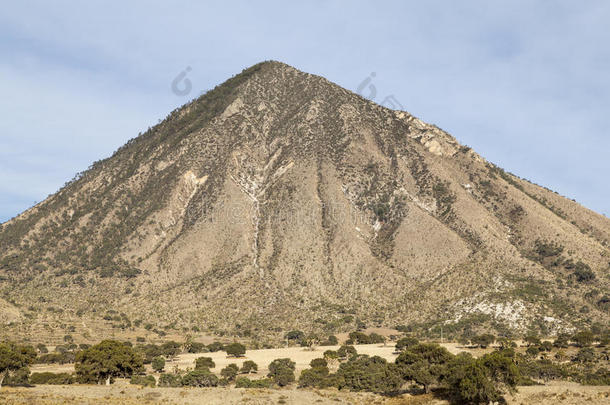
x,y
143,380
331,354
204,363
170,380
52,378
171,349
230,372
483,340
200,378
583,338
364,373
215,347
405,343
235,349
158,364
346,351
249,367
281,371
245,382
294,335
196,347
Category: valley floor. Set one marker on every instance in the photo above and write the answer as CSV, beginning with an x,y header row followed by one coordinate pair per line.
x,y
124,394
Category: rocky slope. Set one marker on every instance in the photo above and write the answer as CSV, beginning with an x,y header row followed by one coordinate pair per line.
x,y
278,200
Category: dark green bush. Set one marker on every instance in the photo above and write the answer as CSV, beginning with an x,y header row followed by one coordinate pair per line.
x,y
144,381
52,378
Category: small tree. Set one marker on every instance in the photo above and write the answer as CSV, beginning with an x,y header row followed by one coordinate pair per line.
x,y
158,364
249,367
171,349
106,360
532,339
331,355
562,341
426,364
295,335
364,373
483,340
204,363
332,341
345,351
583,338
235,349
230,372
282,371
215,347
14,357
200,378
405,343
170,380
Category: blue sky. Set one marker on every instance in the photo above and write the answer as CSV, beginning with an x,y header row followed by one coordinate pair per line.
x,y
525,83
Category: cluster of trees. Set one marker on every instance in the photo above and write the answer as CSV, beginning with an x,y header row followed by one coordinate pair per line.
x,y
361,338
429,365
171,349
308,340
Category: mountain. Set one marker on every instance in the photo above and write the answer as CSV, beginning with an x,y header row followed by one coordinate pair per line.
x,y
279,200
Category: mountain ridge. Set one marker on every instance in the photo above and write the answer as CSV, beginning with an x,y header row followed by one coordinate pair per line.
x,y
278,199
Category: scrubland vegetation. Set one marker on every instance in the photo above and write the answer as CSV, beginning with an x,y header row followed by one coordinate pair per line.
x,y
419,368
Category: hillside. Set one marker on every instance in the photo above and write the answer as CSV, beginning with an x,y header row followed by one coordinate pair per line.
x,y
281,200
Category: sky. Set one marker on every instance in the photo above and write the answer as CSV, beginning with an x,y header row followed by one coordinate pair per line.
x,y
526,84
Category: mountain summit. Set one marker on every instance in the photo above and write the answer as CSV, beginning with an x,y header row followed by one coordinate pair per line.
x,y
279,199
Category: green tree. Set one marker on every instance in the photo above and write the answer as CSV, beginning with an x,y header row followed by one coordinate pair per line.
x,y
170,380
294,335
106,360
583,338
313,377
585,355
230,372
249,367
562,341
364,373
318,363
426,364
471,384
482,380
346,351
204,363
200,378
158,364
144,381
483,340
14,357
332,341
532,339
405,343
331,354
171,349
215,347
281,371
235,349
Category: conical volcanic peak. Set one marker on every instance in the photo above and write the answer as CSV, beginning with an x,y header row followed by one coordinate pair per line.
x,y
279,199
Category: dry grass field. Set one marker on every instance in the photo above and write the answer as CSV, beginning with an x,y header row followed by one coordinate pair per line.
x,y
124,394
